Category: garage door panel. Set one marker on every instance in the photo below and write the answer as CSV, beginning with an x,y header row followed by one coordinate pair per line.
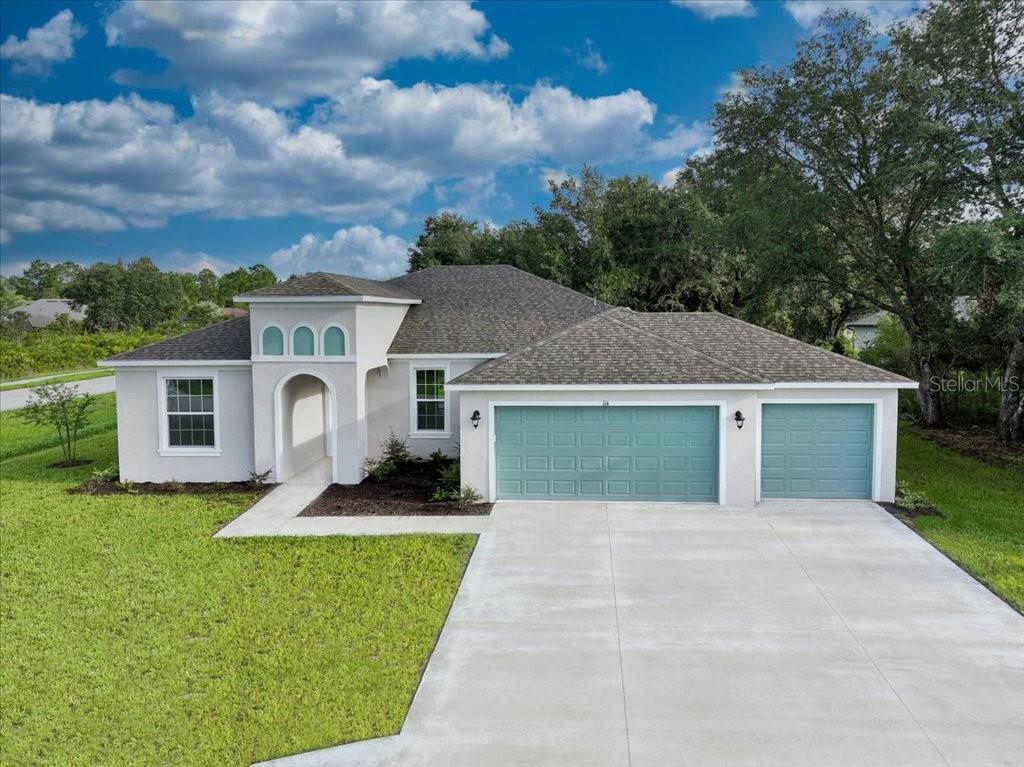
x,y
816,450
619,452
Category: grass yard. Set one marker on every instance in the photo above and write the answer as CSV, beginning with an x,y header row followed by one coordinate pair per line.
x,y
129,636
20,438
982,522
83,375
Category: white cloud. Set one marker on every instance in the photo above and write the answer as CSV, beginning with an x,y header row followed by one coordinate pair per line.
x,y
590,57
682,141
718,9
358,250
668,179
548,176
881,12
186,262
470,130
101,166
44,46
734,87
282,53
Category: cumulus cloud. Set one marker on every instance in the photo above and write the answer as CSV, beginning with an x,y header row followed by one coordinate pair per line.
x,y
548,176
282,53
358,250
682,141
881,12
105,165
718,9
44,46
469,130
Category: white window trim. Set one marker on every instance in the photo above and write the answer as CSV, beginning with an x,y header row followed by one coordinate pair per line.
x,y
284,342
414,431
323,339
291,344
161,390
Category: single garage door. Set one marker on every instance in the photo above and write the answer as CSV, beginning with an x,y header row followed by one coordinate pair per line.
x,y
816,451
611,453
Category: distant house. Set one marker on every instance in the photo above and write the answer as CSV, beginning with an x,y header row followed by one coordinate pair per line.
x,y
864,329
44,311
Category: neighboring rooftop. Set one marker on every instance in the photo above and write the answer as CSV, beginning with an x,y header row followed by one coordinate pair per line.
x,y
324,284
868,320
626,347
228,340
43,311
490,308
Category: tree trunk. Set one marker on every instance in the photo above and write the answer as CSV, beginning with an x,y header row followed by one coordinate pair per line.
x,y
928,392
1011,401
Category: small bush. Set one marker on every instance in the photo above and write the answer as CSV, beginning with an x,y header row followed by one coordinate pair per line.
x,y
438,456
441,495
128,487
109,474
379,468
906,498
395,449
64,409
464,497
449,477
174,485
258,479
469,495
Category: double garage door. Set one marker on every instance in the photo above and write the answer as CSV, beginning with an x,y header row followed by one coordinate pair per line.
x,y
664,453
610,453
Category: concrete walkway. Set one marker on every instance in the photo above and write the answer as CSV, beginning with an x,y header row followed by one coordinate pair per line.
x,y
797,634
277,512
18,398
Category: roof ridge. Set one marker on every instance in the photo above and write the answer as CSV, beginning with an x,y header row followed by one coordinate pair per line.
x,y
791,341
698,352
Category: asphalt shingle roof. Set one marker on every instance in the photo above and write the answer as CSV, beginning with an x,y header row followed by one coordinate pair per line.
x,y
326,284
625,347
492,308
228,340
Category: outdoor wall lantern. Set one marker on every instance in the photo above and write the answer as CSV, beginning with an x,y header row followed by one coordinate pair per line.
x,y
740,420
475,418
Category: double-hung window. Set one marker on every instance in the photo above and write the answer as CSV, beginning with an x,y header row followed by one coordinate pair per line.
x,y
190,413
431,415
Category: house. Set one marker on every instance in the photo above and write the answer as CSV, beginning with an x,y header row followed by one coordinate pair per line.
x,y
544,392
43,311
864,330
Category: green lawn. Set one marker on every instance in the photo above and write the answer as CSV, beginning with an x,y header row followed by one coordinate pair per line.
x,y
20,438
982,522
82,375
129,636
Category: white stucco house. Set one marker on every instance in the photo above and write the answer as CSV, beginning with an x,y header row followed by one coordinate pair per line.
x,y
544,392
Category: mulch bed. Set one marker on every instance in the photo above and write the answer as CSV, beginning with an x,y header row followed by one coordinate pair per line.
x,y
406,492
110,487
904,514
982,444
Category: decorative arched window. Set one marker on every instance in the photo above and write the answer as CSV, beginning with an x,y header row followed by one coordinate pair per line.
x,y
334,342
303,342
272,342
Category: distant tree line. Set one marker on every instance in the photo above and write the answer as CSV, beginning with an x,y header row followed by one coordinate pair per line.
x,y
874,171
136,294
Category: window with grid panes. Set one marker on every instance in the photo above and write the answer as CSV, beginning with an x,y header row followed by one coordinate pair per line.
x,y
190,412
430,400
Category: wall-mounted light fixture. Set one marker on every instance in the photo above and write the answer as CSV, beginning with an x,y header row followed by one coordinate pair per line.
x,y
475,418
740,420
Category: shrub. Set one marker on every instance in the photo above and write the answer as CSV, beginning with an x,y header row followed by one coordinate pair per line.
x,y
174,485
109,474
890,349
464,497
378,468
63,408
469,495
128,487
907,498
395,449
258,479
449,476
438,456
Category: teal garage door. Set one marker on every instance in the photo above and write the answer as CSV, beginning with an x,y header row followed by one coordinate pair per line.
x,y
608,453
816,451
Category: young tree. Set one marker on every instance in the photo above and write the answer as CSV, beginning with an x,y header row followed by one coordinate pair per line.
x,y
64,409
852,119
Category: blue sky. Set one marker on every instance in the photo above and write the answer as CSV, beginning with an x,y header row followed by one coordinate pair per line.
x,y
318,137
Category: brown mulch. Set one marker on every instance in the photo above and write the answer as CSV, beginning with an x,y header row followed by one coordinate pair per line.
x,y
905,514
406,492
979,443
110,487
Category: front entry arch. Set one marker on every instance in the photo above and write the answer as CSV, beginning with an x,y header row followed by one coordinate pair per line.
x,y
305,424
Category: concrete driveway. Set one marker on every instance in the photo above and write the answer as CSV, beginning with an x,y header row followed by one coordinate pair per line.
x,y
800,633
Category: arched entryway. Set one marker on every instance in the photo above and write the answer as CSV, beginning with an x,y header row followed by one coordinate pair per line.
x,y
304,420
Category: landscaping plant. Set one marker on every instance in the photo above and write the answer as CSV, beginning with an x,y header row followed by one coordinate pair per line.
x,y
395,449
64,409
